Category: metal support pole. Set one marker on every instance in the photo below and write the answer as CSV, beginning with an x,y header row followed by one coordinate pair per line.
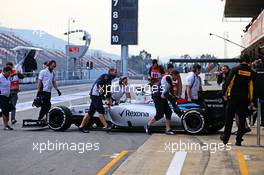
x,y
124,57
258,122
89,73
68,57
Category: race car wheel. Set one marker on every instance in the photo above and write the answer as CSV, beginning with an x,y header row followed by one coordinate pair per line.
x,y
59,118
194,122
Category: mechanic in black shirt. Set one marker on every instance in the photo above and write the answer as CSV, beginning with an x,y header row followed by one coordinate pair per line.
x,y
222,77
221,80
239,94
100,91
258,65
161,97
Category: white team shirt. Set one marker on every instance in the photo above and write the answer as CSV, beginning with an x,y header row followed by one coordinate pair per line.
x,y
194,81
47,78
4,85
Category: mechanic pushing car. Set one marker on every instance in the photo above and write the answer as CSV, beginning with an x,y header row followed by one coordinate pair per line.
x,y
176,81
119,90
161,98
99,92
238,89
45,84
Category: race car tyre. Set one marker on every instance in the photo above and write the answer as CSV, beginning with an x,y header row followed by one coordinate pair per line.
x,y
216,128
59,118
194,122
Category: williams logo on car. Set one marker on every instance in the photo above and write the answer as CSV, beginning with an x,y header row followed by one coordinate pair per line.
x,y
128,113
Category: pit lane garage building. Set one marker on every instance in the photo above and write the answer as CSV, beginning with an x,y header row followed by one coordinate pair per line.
x,y
253,39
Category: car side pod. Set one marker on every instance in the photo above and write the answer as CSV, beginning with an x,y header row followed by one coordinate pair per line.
x,y
194,121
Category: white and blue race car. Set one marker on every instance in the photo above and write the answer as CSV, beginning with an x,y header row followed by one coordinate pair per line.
x,y
208,116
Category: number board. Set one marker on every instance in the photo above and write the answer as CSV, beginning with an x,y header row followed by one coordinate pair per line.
x,y
124,25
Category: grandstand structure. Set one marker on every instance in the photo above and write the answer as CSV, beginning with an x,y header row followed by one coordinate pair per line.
x,y
101,64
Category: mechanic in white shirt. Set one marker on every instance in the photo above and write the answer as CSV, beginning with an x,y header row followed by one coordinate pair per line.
x,y
4,95
45,84
120,89
194,84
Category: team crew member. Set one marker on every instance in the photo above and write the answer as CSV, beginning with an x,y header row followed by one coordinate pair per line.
x,y
44,65
100,90
194,84
14,77
239,92
4,95
121,89
177,85
45,84
222,77
155,73
161,98
176,82
259,67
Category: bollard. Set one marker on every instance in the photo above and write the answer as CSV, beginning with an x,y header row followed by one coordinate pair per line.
x,y
258,122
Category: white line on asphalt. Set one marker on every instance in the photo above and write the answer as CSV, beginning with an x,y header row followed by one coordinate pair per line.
x,y
177,163
58,99
114,155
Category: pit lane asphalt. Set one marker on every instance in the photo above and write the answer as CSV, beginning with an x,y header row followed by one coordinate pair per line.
x,y
19,156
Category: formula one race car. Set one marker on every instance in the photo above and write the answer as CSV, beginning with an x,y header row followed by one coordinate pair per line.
x,y
208,116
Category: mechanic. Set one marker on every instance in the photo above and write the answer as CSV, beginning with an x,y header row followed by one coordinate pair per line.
x,y
239,92
221,79
4,95
45,84
14,78
161,98
259,67
44,65
121,89
155,73
98,93
176,83
194,84
222,76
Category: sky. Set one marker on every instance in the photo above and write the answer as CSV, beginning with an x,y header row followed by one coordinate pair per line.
x,y
166,27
